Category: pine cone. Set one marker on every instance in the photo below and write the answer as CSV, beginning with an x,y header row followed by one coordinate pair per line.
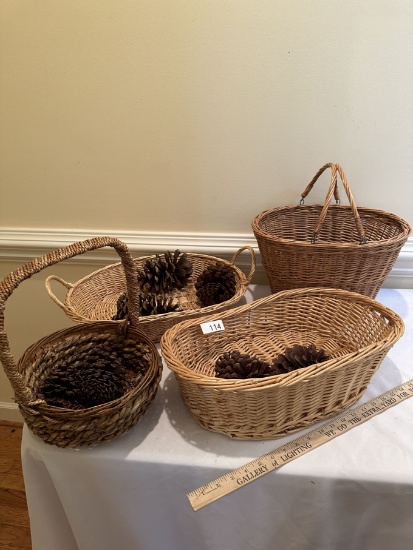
x,y
85,384
236,365
154,305
165,273
95,374
121,308
57,390
98,384
216,284
150,304
297,357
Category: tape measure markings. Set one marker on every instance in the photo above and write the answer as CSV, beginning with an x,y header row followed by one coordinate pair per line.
x,y
290,451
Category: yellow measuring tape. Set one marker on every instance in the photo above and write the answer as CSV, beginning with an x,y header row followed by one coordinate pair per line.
x,y
286,453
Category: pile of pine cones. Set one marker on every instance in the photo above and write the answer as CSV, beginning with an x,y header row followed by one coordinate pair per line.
x,y
165,273
159,276
237,365
97,373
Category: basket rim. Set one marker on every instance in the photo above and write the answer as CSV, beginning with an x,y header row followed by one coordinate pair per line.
x,y
405,227
242,280
181,370
39,406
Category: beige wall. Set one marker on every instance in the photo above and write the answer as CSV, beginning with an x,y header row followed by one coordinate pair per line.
x,y
193,116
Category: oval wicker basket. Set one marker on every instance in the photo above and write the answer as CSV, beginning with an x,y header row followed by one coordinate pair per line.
x,y
66,427
333,246
354,330
94,297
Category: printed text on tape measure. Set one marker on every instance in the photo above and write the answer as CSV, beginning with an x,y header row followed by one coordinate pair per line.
x,y
271,461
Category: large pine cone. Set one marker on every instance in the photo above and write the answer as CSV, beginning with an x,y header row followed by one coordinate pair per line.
x,y
236,365
121,308
150,304
216,284
165,273
97,384
154,305
81,385
298,357
95,375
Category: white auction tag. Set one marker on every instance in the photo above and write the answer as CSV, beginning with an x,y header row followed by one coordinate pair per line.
x,y
212,326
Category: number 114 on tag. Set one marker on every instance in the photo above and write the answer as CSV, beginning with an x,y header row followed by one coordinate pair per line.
x,y
212,326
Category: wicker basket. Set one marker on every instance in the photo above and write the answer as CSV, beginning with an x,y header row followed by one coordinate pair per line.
x,y
355,330
67,427
94,297
329,246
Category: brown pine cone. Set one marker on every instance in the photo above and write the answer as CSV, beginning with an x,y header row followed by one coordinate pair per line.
x,y
154,305
165,272
297,357
237,365
121,308
216,284
150,304
95,374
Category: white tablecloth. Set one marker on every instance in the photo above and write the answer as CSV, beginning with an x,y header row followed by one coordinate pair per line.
x,y
355,492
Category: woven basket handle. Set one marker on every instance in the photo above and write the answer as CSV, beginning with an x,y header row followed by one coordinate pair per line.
x,y
315,178
253,261
12,281
52,294
335,169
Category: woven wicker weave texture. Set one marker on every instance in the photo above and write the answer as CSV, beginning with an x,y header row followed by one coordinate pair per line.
x,y
94,297
356,331
333,246
72,428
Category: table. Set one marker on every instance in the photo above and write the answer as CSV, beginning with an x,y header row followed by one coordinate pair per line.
x,y
355,492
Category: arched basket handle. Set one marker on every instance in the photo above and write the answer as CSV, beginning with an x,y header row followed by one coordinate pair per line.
x,y
333,190
50,292
13,280
253,261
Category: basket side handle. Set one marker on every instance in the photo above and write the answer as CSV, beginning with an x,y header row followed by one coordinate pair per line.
x,y
315,178
253,261
50,291
13,280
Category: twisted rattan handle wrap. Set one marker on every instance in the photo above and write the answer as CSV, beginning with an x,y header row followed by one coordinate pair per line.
x,y
12,281
315,178
52,294
359,225
335,168
253,261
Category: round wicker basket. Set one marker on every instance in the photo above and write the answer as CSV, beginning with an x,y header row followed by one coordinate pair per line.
x,y
66,427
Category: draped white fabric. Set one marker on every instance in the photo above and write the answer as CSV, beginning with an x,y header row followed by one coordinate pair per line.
x,y
355,492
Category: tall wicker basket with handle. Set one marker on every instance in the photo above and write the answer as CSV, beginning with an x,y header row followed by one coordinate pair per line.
x,y
334,246
67,427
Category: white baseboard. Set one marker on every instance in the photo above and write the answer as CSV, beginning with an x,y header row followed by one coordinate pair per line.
x,y
10,412
23,244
